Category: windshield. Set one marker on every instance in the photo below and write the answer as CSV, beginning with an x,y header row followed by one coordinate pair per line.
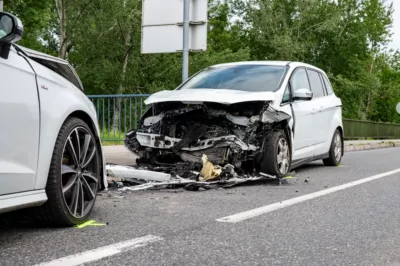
x,y
238,77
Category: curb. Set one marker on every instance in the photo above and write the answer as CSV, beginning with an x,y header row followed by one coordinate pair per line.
x,y
369,146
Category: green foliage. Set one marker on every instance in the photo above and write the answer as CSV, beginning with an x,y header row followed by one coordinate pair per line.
x,y
346,38
36,17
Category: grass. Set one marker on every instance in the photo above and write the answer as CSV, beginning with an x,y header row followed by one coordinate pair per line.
x,y
112,138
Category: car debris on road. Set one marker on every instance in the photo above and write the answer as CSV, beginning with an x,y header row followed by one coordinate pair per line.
x,y
138,179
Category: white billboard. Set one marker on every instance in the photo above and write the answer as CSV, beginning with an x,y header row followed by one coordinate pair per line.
x,y
162,26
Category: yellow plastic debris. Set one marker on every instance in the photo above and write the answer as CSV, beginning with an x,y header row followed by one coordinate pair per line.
x,y
89,223
209,171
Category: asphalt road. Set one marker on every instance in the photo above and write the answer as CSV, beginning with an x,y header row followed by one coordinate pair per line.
x,y
359,225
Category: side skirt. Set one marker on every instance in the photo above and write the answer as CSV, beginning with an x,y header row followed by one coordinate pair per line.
x,y
297,163
22,200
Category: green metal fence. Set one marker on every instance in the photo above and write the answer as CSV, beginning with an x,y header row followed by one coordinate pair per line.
x,y
355,129
117,114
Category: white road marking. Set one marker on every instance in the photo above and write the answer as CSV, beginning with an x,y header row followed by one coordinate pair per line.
x,y
235,218
103,252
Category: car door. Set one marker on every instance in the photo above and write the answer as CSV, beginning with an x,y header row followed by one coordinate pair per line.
x,y
19,120
304,135
328,110
320,122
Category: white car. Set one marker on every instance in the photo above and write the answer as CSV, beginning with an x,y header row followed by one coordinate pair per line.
x,y
50,152
266,116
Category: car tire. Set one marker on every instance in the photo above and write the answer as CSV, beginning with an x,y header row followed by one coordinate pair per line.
x,y
335,151
276,159
73,182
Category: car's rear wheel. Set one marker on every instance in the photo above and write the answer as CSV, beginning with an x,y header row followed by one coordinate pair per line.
x,y
73,178
335,152
277,156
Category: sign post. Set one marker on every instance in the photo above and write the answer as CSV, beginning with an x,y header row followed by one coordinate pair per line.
x,y
171,26
185,49
1,5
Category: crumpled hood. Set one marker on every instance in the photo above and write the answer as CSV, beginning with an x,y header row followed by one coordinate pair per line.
x,y
209,95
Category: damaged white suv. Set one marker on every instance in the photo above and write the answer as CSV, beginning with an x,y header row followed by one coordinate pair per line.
x,y
267,117
50,153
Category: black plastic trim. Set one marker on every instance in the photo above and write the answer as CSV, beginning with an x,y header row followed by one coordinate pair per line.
x,y
298,163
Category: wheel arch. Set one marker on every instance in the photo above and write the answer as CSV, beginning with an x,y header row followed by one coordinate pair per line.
x,y
340,128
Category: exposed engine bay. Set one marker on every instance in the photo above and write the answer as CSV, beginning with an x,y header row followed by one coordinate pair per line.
x,y
173,137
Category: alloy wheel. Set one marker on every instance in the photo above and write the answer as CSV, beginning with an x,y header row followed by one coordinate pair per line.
x,y
79,172
338,147
283,156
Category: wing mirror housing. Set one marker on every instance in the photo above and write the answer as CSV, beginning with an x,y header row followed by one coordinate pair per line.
x,y
302,95
11,31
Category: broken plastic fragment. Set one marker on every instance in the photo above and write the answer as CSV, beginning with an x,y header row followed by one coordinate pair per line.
x,y
209,171
267,175
126,172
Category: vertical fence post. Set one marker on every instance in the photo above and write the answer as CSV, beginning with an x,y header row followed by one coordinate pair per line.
x,y
109,129
125,117
135,112
130,113
104,126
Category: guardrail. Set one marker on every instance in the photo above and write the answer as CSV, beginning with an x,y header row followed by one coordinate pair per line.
x,y
118,114
356,129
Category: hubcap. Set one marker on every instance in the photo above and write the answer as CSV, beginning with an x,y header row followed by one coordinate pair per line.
x,y
283,159
79,172
338,147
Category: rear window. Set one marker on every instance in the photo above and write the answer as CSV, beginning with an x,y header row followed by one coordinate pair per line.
x,y
238,77
327,85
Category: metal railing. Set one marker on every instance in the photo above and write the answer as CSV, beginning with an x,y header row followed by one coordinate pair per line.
x,y
356,129
118,114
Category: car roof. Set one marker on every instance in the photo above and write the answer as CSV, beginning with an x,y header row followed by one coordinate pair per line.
x,y
270,63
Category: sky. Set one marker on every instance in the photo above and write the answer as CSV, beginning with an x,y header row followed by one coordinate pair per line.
x,y
396,25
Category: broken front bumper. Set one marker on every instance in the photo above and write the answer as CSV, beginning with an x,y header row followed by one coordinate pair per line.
x,y
163,142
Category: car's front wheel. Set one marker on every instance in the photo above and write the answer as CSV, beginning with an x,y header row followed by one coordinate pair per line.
x,y
277,156
73,178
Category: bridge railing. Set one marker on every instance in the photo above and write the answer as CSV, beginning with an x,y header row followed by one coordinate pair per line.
x,y
358,129
118,114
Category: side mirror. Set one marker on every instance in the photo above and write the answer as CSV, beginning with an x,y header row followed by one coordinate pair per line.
x,y
11,28
302,95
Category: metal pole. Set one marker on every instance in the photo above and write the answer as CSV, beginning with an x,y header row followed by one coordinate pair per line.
x,y
1,5
185,52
